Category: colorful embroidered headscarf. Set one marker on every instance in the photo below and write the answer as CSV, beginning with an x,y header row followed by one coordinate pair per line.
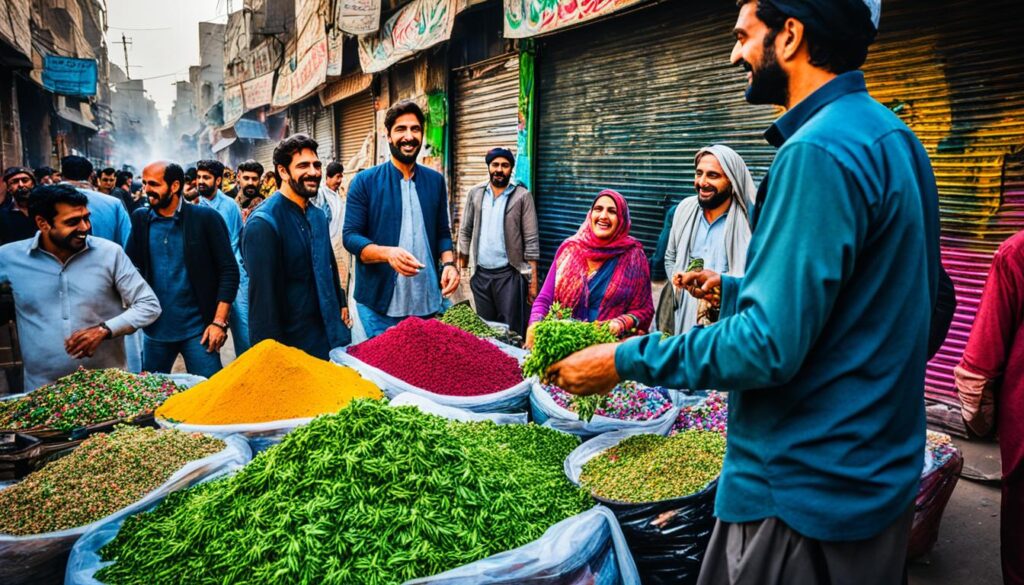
x,y
630,273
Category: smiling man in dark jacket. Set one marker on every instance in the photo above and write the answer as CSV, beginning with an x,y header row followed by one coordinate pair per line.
x,y
184,253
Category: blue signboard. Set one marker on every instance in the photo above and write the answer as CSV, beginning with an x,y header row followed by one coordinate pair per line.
x,y
68,76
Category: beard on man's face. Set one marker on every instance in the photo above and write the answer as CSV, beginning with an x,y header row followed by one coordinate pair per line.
x,y
21,195
206,190
306,186
716,198
501,179
769,83
250,191
159,200
396,150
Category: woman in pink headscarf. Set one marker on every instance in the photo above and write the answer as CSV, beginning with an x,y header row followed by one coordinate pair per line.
x,y
601,273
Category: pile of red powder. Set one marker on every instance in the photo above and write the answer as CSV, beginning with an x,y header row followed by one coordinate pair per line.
x,y
442,359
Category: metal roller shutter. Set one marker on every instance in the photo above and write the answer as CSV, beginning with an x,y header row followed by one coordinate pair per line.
x,y
626,103
313,119
485,115
323,129
356,121
263,153
956,78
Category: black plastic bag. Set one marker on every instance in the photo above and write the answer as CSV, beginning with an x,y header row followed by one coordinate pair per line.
x,y
668,539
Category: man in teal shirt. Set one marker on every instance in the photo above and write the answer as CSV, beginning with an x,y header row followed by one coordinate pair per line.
x,y
822,344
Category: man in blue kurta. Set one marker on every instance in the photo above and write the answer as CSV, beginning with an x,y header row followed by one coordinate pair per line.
x,y
822,344
397,226
295,295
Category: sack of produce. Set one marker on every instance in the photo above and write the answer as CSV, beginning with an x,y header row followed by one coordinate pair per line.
x,y
942,465
451,413
443,363
702,411
372,494
264,394
108,476
62,414
629,406
587,548
463,316
661,489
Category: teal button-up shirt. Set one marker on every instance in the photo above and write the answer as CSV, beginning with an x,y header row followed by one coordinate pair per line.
x,y
822,344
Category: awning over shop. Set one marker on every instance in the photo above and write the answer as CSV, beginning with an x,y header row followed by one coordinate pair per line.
x,y
223,143
251,129
345,87
76,117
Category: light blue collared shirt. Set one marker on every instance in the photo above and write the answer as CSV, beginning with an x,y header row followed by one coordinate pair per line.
x,y
108,216
709,243
54,300
418,295
492,253
228,209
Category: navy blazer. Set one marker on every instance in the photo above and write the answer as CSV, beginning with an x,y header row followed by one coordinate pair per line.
x,y
209,261
373,215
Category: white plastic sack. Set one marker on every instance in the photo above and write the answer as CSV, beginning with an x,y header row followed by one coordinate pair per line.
x,y
547,412
586,548
450,412
514,399
40,558
85,562
260,436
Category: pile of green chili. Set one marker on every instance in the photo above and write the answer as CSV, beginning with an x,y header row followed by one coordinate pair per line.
x,y
464,317
373,494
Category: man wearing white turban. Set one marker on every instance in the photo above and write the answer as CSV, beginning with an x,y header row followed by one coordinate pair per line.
x,y
713,226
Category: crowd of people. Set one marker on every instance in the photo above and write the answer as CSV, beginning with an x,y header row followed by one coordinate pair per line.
x,y
814,298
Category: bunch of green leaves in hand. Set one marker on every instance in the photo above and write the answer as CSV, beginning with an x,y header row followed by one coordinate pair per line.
x,y
556,338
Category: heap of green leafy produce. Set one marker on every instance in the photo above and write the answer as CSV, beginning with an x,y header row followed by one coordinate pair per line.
x,y
372,494
464,317
556,338
87,397
104,474
651,468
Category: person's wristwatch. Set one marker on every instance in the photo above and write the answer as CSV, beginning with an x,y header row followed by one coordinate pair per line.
x,y
221,325
104,327
447,264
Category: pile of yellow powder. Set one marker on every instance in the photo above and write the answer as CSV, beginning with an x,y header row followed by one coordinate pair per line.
x,y
267,383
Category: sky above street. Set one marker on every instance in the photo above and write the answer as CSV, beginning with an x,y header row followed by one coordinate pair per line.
x,y
164,36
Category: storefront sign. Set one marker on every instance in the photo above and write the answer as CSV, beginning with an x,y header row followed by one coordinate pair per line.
x,y
334,42
359,17
527,18
234,104
420,25
68,76
311,72
282,88
258,92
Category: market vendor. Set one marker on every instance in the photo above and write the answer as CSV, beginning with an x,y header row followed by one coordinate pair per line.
x,y
601,272
823,343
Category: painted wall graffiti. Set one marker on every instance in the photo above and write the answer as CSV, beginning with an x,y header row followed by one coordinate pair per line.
x,y
420,25
527,18
970,119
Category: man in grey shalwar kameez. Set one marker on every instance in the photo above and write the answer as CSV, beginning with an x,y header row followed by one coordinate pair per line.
x,y
713,226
